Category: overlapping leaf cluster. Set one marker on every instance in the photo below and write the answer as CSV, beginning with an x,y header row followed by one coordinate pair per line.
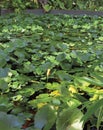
x,y
48,5
51,68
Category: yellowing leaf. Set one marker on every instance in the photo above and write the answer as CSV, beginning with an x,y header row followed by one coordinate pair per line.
x,y
55,93
40,105
72,89
35,1
48,72
95,97
99,91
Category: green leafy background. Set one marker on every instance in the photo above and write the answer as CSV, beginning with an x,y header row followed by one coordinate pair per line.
x,y
50,68
48,5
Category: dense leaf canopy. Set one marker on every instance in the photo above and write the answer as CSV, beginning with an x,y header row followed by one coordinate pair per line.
x,y
47,5
51,71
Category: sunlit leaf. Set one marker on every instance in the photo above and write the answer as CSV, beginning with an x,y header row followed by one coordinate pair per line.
x,y
70,118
